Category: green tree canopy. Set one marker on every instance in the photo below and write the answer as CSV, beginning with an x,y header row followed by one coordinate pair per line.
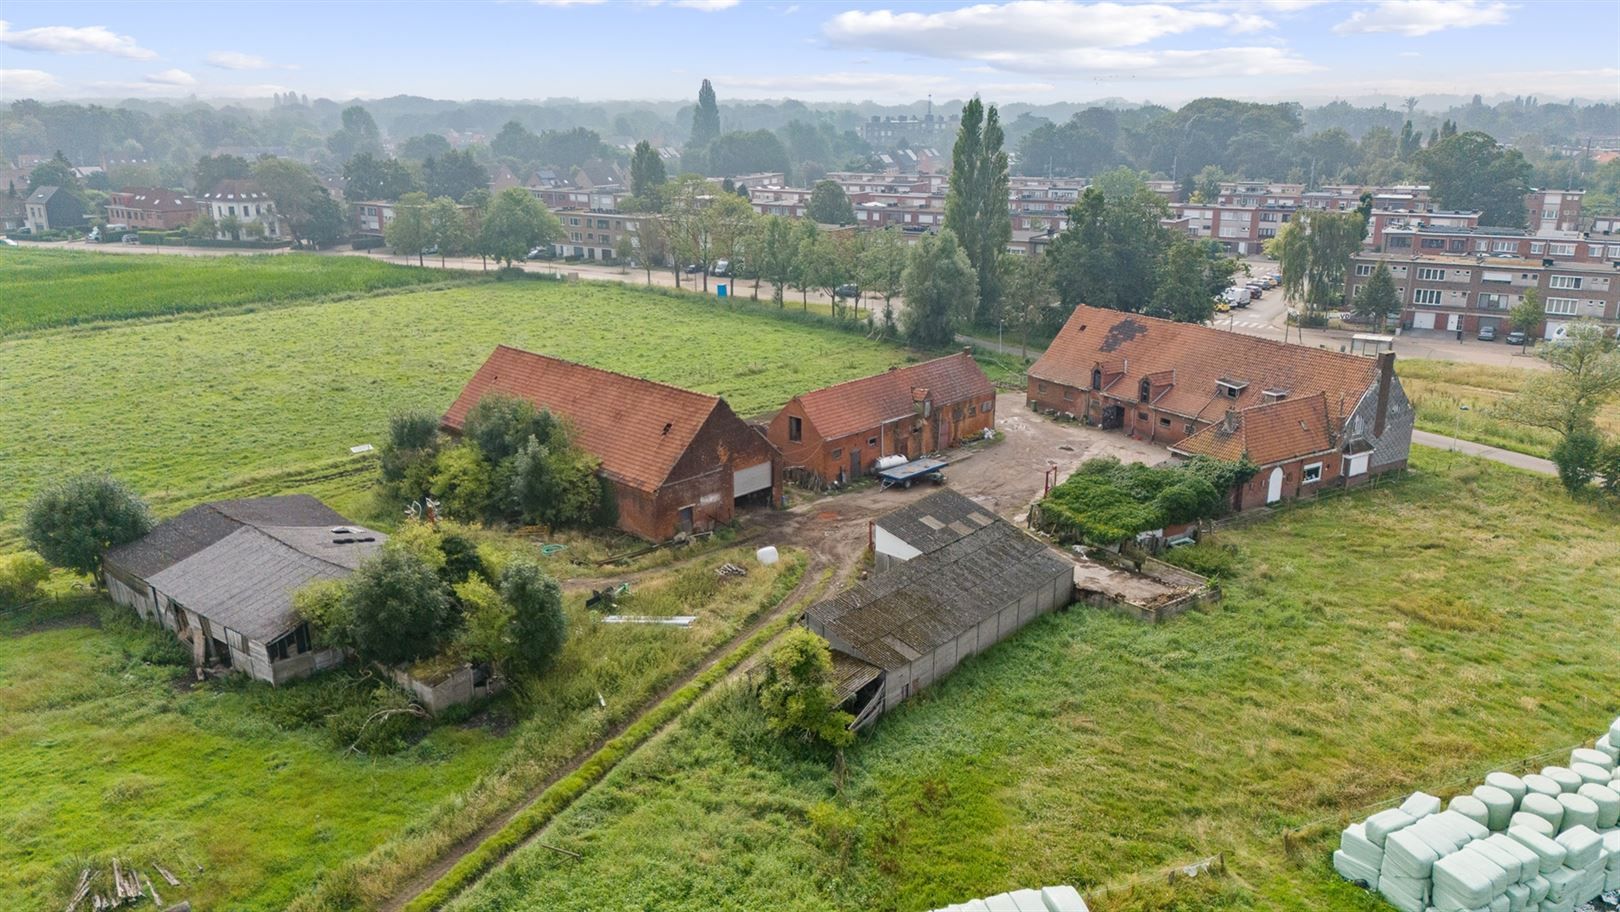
x,y
516,223
74,521
409,231
797,692
646,170
1109,254
941,290
1379,297
976,201
829,205
539,627
453,174
369,177
400,607
1313,249
1472,171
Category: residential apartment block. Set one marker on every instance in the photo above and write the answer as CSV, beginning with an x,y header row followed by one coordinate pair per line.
x,y
1552,211
150,207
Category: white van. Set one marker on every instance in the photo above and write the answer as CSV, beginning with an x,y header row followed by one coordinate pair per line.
x,y
1236,296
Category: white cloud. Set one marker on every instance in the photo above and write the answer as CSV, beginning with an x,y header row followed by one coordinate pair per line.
x,y
1414,18
706,6
1025,26
63,39
153,88
172,77
236,60
18,83
799,83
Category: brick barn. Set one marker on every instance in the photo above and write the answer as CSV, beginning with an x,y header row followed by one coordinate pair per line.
x,y
676,460
839,432
1309,417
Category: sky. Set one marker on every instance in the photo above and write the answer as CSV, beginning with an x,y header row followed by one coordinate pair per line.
x,y
1026,50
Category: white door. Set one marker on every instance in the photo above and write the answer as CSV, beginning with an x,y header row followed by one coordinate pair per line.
x,y
1454,322
754,478
1274,487
1423,320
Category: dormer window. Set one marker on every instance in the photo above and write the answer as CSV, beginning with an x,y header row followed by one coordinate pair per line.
x,y
1096,378
1274,395
1146,391
1229,388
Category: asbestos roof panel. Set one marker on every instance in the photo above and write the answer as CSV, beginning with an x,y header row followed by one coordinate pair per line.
x,y
935,521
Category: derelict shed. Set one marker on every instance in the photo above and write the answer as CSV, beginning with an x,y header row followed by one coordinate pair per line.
x,y
222,576
926,526
906,627
676,460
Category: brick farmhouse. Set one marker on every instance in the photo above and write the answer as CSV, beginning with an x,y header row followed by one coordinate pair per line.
x,y
839,432
675,460
1309,418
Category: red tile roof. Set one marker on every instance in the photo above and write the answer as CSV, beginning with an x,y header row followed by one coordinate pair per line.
x,y
1129,347
153,198
637,428
1270,433
860,405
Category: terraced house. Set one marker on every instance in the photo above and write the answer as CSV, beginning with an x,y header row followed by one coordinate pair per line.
x,y
1308,417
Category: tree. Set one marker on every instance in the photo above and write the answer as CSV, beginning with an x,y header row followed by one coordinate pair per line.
x,y
358,136
646,170
777,250
882,268
447,228
941,290
211,169
56,171
1526,316
409,231
74,521
516,143
1472,171
744,152
976,202
1182,293
728,219
453,174
401,607
1109,254
1027,295
421,148
688,225
1379,298
1313,250
1207,184
407,456
231,227
367,177
553,483
500,425
1577,457
303,204
1585,374
516,224
829,205
539,627
797,692
324,605
705,119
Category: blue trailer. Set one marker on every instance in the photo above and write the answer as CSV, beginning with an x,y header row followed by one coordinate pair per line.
x,y
915,470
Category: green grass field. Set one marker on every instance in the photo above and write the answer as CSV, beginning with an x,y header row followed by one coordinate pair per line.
x,y
1412,636
1437,388
192,408
108,755
45,288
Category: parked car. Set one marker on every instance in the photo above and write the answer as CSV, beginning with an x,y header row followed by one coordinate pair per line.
x,y
1487,334
536,253
1515,337
847,290
721,269
1236,296
1256,290
694,269
8,242
1222,307
131,238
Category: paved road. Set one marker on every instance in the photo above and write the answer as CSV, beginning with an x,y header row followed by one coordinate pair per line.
x,y
1495,454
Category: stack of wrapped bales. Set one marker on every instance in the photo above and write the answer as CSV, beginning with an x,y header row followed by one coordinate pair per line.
x,y
1544,842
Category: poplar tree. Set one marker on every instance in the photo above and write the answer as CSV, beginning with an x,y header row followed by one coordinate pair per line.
x,y
976,204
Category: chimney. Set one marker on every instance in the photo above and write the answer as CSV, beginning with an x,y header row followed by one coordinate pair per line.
x,y
1229,424
1386,379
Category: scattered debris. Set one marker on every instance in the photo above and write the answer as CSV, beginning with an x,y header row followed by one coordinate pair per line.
x,y
361,448
603,599
674,620
548,550
574,855
80,891
156,899
730,569
166,875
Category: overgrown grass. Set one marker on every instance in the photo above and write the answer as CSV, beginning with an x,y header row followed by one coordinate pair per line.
x,y
46,288
1438,388
190,409
1093,750
624,664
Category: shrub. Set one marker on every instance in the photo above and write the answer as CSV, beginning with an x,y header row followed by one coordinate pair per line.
x,y
500,425
797,693
402,609
1205,559
324,605
408,456
488,625
539,626
20,577
73,522
1106,502
1577,458
464,483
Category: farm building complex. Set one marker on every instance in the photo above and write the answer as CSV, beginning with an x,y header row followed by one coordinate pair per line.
x,y
1309,418
222,576
839,432
676,460
953,580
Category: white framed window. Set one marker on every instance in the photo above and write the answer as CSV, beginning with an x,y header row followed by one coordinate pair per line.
x,y
1364,269
1595,251
1561,249
1431,274
1564,281
1538,247
1482,245
1489,301
1505,246
1313,473
1564,307
1427,296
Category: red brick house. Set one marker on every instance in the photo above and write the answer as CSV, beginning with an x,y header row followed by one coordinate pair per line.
x,y
839,432
677,461
1195,389
151,207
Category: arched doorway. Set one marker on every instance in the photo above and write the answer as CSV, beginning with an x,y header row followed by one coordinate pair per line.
x,y
1274,486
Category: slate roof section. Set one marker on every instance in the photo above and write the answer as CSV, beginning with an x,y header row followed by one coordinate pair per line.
x,y
937,520
860,405
639,429
239,562
1271,433
1141,347
897,616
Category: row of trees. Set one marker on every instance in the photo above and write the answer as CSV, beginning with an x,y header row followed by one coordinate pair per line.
x,y
505,227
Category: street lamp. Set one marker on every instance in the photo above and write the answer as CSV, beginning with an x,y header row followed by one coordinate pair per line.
x,y
1456,434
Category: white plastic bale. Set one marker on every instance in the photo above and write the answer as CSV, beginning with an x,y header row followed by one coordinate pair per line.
x,y
1535,783
1511,863
1593,756
1538,889
1614,731
1550,852
1383,823
1465,880
1607,745
1591,773
1355,871
1518,897
1499,804
1529,862
1408,854
1607,801
1548,809
1582,845
1611,844
1579,812
1509,783
1420,805
1539,824
1568,780
1472,808
1561,884
1456,823
1354,843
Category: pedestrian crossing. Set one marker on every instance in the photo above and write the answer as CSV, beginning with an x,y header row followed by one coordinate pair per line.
x,y
1224,323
